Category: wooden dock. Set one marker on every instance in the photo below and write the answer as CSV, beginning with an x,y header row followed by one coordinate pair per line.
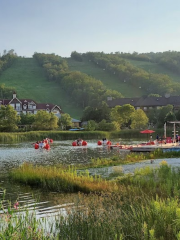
x,y
142,149
149,148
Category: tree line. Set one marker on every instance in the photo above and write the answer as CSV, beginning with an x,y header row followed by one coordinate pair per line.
x,y
126,72
122,117
168,59
10,121
94,118
83,89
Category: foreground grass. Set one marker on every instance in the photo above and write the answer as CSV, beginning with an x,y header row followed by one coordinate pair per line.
x,y
60,179
146,207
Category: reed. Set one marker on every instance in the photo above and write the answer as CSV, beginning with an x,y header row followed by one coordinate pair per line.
x,y
56,135
108,217
70,135
145,207
60,179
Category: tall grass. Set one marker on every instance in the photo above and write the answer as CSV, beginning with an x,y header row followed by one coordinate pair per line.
x,y
70,135
108,217
138,213
147,208
56,135
60,179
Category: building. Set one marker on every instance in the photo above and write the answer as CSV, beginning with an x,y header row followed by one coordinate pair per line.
x,y
30,106
145,103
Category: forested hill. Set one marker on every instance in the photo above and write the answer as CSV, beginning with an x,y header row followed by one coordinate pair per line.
x,y
155,75
88,79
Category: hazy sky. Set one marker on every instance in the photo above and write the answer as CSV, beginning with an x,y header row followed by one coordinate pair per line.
x,y
63,26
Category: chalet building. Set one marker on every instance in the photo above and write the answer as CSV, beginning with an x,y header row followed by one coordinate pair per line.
x,y
145,103
30,106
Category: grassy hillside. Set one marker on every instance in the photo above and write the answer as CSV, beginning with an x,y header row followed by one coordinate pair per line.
x,y
109,80
30,82
155,68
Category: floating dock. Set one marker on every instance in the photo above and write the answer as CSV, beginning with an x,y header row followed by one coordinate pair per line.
x,y
149,148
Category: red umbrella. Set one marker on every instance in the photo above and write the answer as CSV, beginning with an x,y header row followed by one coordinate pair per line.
x,y
147,131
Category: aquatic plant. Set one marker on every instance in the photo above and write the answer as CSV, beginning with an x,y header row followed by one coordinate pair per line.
x,y
60,179
145,206
108,217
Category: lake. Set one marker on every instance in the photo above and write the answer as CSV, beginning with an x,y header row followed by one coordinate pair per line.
x,y
12,155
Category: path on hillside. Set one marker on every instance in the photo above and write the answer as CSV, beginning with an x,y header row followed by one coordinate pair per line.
x,y
111,81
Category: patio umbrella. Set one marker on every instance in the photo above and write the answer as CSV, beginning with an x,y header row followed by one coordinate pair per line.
x,y
147,131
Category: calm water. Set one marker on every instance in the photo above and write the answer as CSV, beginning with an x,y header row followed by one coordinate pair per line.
x,y
12,155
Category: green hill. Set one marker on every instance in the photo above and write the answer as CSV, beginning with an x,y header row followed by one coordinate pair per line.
x,y
109,80
155,68
30,81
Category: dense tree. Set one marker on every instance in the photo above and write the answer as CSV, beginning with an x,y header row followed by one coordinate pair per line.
x,y
170,116
91,125
122,114
96,114
64,121
163,113
27,119
77,56
139,120
6,92
8,119
106,126
45,121
153,115
178,115
6,61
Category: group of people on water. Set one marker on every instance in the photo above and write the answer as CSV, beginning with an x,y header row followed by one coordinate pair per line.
x,y
45,143
79,142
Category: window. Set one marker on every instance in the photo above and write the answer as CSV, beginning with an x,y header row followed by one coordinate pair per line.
x,y
18,106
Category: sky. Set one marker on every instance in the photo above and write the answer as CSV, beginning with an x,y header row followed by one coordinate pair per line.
x,y
63,26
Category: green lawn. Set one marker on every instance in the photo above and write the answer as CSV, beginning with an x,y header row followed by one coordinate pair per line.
x,y
109,80
155,68
30,81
